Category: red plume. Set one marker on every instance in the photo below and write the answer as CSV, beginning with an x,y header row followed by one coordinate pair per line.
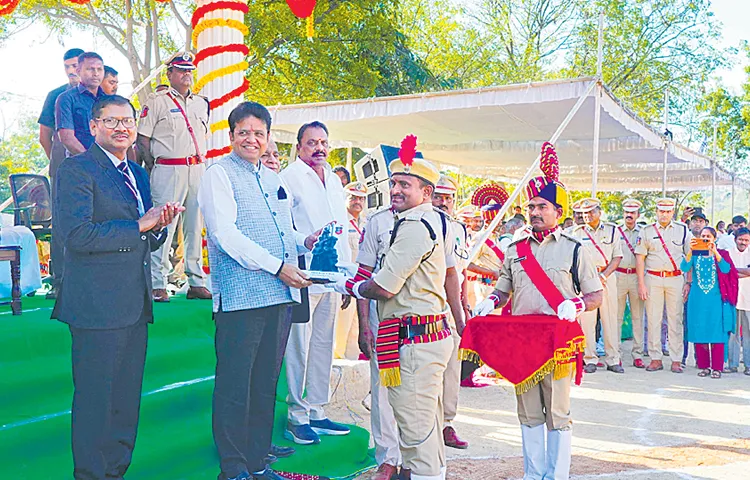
x,y
549,164
301,8
408,150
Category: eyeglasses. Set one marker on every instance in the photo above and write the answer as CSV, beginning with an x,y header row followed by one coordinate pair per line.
x,y
111,122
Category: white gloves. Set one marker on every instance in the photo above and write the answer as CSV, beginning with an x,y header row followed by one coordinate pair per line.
x,y
340,286
486,306
567,311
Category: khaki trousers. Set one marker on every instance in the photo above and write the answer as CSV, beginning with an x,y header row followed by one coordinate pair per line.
x,y
418,406
610,333
179,183
452,378
346,343
309,357
665,292
548,402
627,289
382,421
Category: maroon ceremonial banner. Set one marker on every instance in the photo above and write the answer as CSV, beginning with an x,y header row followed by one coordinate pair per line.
x,y
524,349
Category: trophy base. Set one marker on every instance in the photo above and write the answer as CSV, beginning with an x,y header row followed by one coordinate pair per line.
x,y
321,277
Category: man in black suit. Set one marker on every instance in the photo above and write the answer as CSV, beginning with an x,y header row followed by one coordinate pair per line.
x,y
109,228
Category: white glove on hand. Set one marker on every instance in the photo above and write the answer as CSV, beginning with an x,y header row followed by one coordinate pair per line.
x,y
567,311
340,286
485,307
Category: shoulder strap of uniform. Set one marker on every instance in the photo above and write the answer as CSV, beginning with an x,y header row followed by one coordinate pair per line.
x,y
574,269
430,231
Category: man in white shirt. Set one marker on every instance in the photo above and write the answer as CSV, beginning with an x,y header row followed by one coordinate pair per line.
x,y
252,248
317,199
740,254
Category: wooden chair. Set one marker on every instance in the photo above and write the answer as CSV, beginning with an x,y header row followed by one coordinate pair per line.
x,y
12,254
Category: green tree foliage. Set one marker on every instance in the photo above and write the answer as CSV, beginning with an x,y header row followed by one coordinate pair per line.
x,y
20,152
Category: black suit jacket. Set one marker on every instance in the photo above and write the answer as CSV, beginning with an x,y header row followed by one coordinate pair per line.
x,y
107,260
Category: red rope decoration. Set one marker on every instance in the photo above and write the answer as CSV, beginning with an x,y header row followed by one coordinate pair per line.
x,y
217,49
200,12
8,6
218,152
217,102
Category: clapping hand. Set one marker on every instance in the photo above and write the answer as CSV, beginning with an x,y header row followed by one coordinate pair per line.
x,y
168,214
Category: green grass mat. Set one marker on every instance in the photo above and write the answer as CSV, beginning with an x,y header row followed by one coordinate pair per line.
x,y
174,436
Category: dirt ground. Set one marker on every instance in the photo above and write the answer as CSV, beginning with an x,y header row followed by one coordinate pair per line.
x,y
638,425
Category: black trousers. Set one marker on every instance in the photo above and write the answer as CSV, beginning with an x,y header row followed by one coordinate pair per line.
x,y
107,376
249,344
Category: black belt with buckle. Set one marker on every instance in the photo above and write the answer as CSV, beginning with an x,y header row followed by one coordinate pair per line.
x,y
406,332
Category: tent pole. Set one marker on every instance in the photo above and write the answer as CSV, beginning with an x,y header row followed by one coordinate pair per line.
x,y
597,107
713,175
515,194
597,129
349,160
732,195
666,144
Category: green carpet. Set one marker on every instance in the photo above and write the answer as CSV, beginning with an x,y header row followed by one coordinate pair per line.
x,y
174,436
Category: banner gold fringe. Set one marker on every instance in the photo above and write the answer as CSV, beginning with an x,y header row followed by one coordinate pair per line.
x,y
390,377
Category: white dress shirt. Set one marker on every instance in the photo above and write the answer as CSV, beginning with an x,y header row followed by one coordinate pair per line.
x,y
116,161
216,201
725,242
315,204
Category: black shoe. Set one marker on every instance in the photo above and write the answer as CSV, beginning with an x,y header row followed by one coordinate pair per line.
x,y
281,452
242,476
51,295
267,474
616,368
270,458
590,368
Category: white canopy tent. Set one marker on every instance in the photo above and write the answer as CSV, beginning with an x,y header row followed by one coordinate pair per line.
x,y
498,131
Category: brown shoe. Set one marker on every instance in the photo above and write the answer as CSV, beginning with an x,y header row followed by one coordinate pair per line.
x,y
200,293
654,366
676,367
160,295
385,472
405,474
450,438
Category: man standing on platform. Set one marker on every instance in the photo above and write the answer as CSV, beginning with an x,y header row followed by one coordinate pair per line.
x,y
547,402
253,250
627,280
444,198
347,328
317,199
109,228
172,137
603,241
659,251
412,345
55,151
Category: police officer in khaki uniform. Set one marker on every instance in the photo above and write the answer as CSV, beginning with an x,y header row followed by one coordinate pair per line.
x,y
602,240
347,329
444,198
559,254
172,134
413,344
659,251
627,280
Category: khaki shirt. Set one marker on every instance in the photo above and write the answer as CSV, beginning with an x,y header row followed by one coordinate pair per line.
x,y
413,268
354,234
376,238
677,239
487,258
628,258
555,255
461,249
163,123
606,238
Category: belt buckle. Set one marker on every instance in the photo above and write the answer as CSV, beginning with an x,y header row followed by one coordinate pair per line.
x,y
190,160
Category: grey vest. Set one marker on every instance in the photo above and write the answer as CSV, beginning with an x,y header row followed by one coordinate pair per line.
x,y
266,220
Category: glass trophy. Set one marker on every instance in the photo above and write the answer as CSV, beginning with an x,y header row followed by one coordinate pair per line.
x,y
325,257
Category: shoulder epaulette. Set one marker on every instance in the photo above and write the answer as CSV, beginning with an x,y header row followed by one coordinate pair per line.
x,y
570,237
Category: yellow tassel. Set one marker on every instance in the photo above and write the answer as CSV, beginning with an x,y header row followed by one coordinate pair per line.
x,y
310,24
536,377
390,377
